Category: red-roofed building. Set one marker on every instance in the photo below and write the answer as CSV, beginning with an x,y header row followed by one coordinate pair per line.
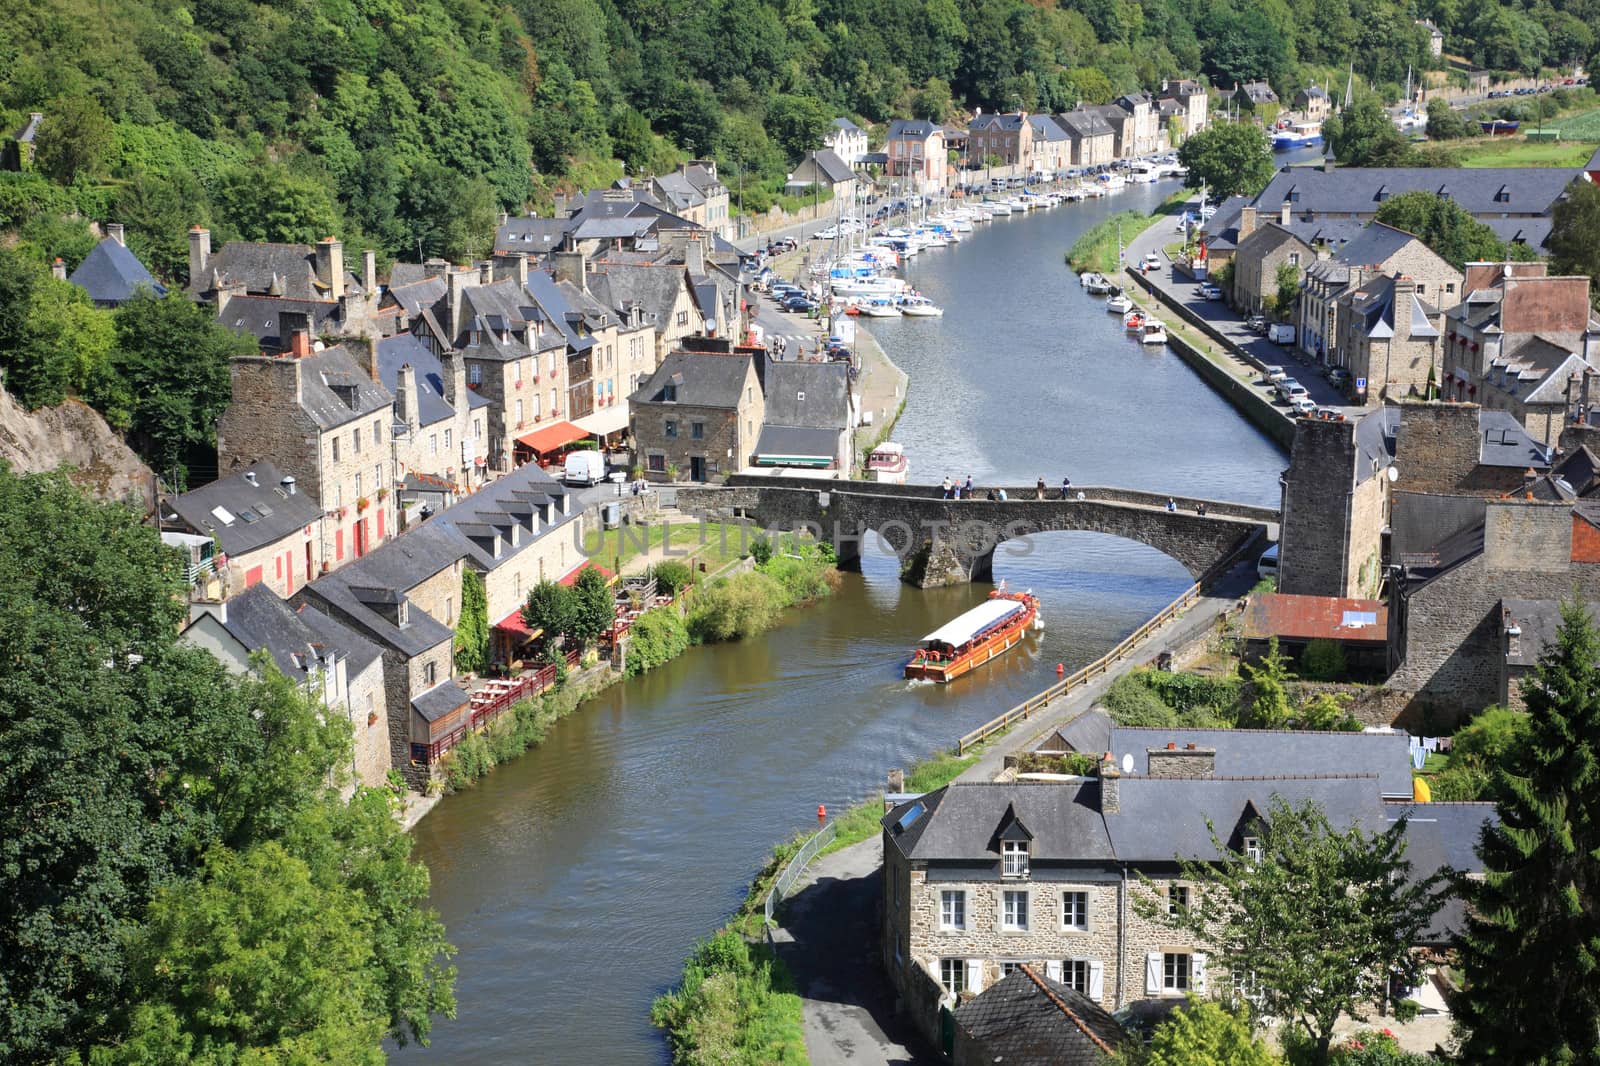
x,y
1360,627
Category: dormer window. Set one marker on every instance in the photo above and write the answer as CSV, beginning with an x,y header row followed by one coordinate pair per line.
x,y
1253,849
402,614
1014,858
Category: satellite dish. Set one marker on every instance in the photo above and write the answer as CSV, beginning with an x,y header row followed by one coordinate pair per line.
x,y
1127,763
1393,474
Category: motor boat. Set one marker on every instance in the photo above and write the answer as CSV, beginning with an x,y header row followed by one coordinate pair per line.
x,y
920,307
888,463
1118,303
1099,286
1154,332
879,307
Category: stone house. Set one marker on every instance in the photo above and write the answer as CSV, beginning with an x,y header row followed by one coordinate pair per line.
x,y
1530,626
441,426
1005,138
339,669
1336,506
1029,1018
1390,338
622,345
322,416
1378,249
17,150
655,294
698,416
1256,96
1523,342
809,416
1141,132
695,193
917,154
1092,140
1314,103
847,140
1435,38
1052,148
1195,100
1255,264
111,274
253,284
980,878
265,529
824,169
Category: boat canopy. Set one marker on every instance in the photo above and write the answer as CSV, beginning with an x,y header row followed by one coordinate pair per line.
x,y
965,627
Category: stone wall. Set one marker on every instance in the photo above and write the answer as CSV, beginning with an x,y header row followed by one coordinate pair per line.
x,y
439,595
1437,447
551,556
728,436
369,720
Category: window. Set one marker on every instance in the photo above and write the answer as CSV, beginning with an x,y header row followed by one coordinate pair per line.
x,y
377,433
475,374
1014,911
1075,911
683,318
377,477
1075,974
1449,286
1014,858
671,428
433,444
355,441
429,671
447,440
519,414
657,463
952,910
516,371
336,449
449,610
1176,972
477,427
697,430
358,486
953,975
1177,899
1009,967
1253,849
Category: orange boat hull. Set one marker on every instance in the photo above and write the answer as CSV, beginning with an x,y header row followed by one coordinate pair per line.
x,y
997,644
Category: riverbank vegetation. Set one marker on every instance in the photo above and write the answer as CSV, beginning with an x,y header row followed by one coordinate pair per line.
x,y
1096,249
522,727
792,572
736,1005
169,828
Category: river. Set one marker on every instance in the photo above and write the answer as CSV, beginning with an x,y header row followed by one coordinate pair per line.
x,y
576,879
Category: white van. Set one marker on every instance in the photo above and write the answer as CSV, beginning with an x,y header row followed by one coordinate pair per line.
x,y
1267,565
1281,333
585,468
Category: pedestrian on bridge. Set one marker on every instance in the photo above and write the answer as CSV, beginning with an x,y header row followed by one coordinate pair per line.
x,y
1172,505
1040,489
945,485
1200,509
1066,485
967,492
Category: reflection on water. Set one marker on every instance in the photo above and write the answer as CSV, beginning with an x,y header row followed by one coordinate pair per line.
x,y
575,879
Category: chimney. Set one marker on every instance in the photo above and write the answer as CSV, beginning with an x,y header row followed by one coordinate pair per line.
x,y
114,231
1190,760
435,268
504,218
250,476
367,356
199,257
217,609
294,333
458,281
1591,349
1405,288
58,269
694,256
288,484
369,272
1285,209
405,397
568,266
1247,221
330,265
1110,785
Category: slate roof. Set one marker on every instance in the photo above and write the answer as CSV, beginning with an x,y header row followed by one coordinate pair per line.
x,y
383,576
1258,92
832,169
111,274
394,352
531,235
554,303
915,129
300,640
1432,534
257,316
1440,835
29,129
263,268
1537,368
1005,123
331,376
701,380
846,124
1088,733
1375,245
679,191
1376,304
1271,752
500,315
470,525
1376,434
415,296
652,287
1084,123
962,821
439,700
1026,1019
261,514
1506,442
1045,128
797,441
1539,621
813,395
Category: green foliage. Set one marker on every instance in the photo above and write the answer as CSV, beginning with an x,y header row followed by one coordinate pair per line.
x,y
1269,701
1574,240
74,139
1203,1033
550,606
1445,123
735,608
593,607
735,1005
472,628
1196,696
1369,1047
1444,225
1322,921
1533,919
761,550
1323,660
1288,287
804,571
1096,249
671,577
1326,711
53,341
1362,135
1130,702
1229,160
154,782
658,636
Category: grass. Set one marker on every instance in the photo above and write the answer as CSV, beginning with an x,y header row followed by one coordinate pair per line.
x,y
713,543
1583,126
1520,152
1097,248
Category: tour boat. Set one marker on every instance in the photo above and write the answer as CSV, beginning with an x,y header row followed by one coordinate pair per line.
x,y
1298,135
1086,277
1154,332
973,638
1118,303
888,463
920,307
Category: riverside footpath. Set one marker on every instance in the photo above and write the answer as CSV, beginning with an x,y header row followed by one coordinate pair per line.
x,y
828,934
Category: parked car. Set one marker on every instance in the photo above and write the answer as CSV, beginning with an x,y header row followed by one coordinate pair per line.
x,y
1267,565
1210,291
1274,373
1281,333
1328,414
799,303
1256,324
1287,386
1339,376
1303,406
1152,261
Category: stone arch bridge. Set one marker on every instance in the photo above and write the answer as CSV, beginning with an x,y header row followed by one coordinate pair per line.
x,y
947,542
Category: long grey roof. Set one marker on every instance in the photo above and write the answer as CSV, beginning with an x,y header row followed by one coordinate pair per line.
x,y
796,441
1375,245
1271,752
531,235
701,379
1084,123
1489,192
963,822
846,124
406,348
1046,128
513,500
300,640
256,515
831,167
110,273
813,395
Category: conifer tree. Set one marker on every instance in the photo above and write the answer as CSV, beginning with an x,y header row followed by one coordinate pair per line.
x,y
1531,952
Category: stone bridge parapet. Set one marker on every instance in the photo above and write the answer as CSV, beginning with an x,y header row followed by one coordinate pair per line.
x,y
945,542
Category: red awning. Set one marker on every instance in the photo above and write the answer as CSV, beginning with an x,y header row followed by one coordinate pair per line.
x,y
513,623
572,578
552,437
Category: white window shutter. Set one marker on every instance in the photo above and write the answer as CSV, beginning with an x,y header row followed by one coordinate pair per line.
x,y
1152,973
1052,969
1198,972
1097,980
975,976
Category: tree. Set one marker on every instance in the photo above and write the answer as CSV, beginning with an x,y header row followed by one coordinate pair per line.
x,y
1363,136
1574,239
932,101
1229,160
1531,951
1444,122
550,607
173,364
1321,923
472,629
1202,1033
594,608
1269,678
1288,279
74,139
268,202
798,123
1443,225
